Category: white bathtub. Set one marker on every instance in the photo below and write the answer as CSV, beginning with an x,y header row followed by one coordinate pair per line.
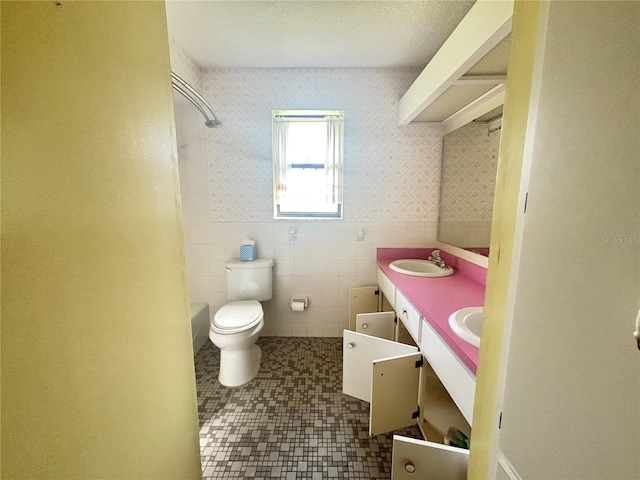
x,y
199,324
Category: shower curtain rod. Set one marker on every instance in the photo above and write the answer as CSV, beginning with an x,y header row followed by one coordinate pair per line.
x,y
196,99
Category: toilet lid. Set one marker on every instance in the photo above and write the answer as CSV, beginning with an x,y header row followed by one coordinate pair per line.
x,y
238,315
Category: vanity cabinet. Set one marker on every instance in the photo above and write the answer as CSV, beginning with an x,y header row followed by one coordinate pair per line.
x,y
456,378
389,372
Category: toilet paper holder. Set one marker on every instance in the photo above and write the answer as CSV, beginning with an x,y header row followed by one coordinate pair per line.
x,y
299,300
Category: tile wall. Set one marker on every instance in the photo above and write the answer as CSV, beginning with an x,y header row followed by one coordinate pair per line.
x,y
392,180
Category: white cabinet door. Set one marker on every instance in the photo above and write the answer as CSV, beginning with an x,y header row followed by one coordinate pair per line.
x,y
362,300
359,353
385,374
379,325
394,393
419,459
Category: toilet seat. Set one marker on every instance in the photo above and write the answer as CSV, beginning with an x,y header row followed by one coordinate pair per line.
x,y
237,316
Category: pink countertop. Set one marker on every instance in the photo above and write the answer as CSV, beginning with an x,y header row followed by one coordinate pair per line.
x,y
437,298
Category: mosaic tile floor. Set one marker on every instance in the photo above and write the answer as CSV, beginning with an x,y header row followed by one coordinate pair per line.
x,y
292,421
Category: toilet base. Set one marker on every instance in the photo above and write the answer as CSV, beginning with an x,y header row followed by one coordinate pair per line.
x,y
238,367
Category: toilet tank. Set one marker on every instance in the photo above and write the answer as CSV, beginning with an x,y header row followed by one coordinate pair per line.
x,y
249,280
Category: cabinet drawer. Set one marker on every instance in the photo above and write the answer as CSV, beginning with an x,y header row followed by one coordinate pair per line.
x,y
456,378
409,316
388,288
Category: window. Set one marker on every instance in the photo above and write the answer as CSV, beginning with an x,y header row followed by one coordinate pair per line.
x,y
307,163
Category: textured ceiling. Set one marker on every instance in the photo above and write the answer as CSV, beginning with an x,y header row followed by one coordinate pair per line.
x,y
298,33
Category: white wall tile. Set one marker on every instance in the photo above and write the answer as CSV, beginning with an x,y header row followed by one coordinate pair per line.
x,y
320,283
332,298
332,329
366,268
300,330
366,281
283,329
347,267
314,330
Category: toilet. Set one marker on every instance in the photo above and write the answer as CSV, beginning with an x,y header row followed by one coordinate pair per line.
x,y
235,328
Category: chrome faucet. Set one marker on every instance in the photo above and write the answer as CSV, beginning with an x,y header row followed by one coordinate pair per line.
x,y
435,258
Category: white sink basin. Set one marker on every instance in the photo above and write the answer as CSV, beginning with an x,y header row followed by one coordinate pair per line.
x,y
467,324
420,268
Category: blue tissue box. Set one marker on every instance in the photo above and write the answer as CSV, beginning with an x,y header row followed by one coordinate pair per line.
x,y
247,253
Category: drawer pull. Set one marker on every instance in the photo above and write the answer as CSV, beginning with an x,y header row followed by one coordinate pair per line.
x,y
404,311
365,326
350,345
409,467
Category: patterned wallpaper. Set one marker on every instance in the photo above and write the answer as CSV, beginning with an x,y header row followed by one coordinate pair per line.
x,y
469,173
391,173
184,66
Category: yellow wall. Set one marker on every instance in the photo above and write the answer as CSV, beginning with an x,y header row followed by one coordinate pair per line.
x,y
97,367
514,125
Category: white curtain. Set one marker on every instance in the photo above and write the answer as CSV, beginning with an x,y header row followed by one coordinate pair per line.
x,y
280,133
333,164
